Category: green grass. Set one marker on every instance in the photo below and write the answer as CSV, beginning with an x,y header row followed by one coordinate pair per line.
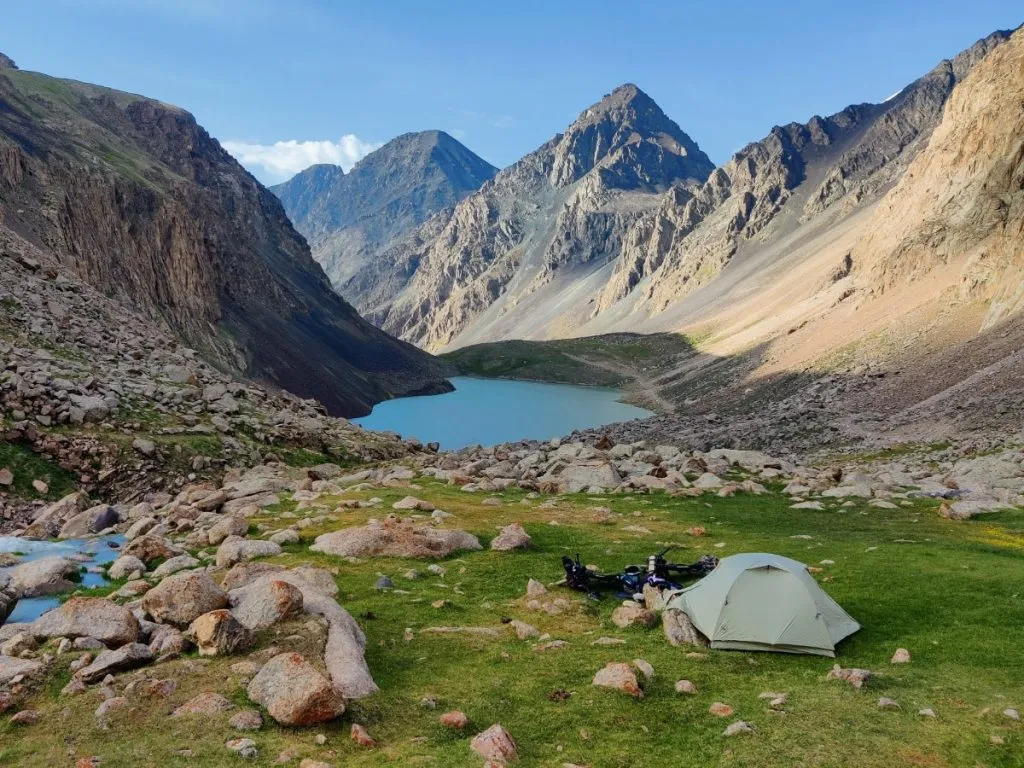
x,y
949,592
898,450
304,457
573,361
28,466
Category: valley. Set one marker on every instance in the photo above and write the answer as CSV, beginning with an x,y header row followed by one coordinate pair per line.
x,y
289,471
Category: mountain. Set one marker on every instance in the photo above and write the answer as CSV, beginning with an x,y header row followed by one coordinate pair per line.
x,y
563,209
621,224
134,197
349,218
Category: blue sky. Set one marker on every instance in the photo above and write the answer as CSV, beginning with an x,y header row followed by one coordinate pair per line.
x,y
284,84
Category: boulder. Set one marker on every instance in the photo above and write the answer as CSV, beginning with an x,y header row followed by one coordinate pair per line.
x,y
49,520
219,633
619,676
394,538
511,537
634,616
125,566
294,692
344,653
91,408
95,617
708,481
141,526
495,745
241,574
150,547
239,550
184,597
587,474
411,502
679,630
8,600
228,526
21,643
166,641
11,667
268,602
91,521
126,657
287,536
175,564
860,490
45,576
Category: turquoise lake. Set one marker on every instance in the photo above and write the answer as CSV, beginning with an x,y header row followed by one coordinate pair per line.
x,y
491,411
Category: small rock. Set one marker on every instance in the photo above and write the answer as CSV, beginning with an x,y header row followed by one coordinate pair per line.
x,y
718,709
645,668
359,735
609,641
887,703
110,705
244,747
738,728
246,720
535,589
686,687
205,704
926,712
902,656
1011,713
855,677
219,633
523,630
512,537
26,717
455,719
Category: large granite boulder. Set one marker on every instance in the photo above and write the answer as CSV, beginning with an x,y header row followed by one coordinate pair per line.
x,y
89,522
45,576
394,538
184,597
96,617
294,692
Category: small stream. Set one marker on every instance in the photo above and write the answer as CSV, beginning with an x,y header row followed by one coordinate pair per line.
x,y
87,552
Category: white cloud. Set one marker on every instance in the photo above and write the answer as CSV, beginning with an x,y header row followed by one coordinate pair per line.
x,y
283,159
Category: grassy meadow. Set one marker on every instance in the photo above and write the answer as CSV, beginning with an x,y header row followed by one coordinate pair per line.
x,y
952,593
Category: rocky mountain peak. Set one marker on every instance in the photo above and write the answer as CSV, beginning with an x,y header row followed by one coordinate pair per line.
x,y
6,62
349,217
628,129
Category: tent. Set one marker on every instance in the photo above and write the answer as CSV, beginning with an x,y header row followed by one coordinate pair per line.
x,y
763,602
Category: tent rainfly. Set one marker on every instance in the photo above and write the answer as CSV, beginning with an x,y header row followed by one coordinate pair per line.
x,y
763,602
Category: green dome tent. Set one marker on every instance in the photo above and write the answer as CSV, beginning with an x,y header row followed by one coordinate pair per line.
x,y
762,602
